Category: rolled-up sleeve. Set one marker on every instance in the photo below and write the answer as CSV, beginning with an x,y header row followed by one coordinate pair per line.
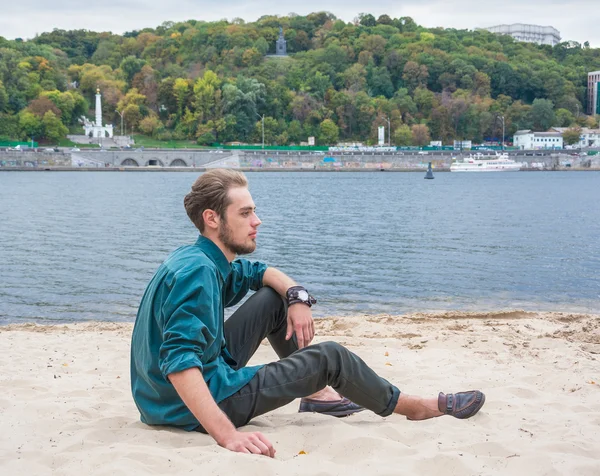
x,y
245,275
188,321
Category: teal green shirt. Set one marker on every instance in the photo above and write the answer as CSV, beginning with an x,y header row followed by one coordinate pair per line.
x,y
179,325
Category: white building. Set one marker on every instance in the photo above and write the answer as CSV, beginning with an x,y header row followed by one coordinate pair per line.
x,y
463,145
528,140
96,129
588,137
542,35
593,105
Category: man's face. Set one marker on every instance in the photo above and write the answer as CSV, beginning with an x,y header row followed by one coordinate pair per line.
x,y
239,226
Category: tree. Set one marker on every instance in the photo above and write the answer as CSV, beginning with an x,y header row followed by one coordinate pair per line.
x,y
375,44
542,114
420,133
252,57
71,104
405,104
366,19
206,138
132,115
3,98
415,75
54,129
424,100
150,125
9,127
403,135
131,66
40,106
30,125
564,118
355,77
262,46
328,132
146,82
380,82
180,91
271,129
242,100
572,135
319,84
295,132
207,95
384,20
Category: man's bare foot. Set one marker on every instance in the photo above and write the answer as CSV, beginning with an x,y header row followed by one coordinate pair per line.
x,y
417,408
328,394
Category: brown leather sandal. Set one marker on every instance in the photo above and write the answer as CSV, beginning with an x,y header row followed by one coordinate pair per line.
x,y
337,408
461,405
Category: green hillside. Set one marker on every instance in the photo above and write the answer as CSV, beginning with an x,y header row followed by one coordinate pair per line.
x,y
210,82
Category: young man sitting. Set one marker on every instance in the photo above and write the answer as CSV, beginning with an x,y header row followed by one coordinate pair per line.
x,y
188,366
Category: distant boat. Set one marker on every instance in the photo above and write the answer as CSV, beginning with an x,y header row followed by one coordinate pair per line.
x,y
429,174
483,163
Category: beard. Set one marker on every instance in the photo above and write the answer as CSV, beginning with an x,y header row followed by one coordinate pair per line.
x,y
226,237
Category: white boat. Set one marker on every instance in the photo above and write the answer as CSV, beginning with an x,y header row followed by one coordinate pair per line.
x,y
485,163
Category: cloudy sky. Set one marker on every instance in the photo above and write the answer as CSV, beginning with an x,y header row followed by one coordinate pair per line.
x,y
576,20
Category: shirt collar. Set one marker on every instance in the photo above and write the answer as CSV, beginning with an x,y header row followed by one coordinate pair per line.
x,y
215,254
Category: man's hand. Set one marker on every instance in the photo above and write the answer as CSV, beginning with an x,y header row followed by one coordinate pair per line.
x,y
251,443
300,321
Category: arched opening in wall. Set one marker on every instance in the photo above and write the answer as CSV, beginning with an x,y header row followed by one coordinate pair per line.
x,y
154,163
106,134
178,163
130,163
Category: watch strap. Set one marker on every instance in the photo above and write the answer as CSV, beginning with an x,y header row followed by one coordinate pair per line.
x,y
292,296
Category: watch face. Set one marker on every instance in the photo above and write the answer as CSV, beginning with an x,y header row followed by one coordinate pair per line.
x,y
303,295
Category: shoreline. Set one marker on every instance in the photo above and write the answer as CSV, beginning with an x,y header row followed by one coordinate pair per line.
x,y
259,169
442,315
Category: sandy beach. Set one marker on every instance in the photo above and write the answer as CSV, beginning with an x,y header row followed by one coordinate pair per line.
x,y
66,406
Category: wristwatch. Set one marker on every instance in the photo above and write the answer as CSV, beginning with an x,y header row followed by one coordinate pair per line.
x,y
297,294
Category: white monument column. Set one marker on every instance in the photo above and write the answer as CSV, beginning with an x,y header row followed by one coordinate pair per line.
x,y
98,108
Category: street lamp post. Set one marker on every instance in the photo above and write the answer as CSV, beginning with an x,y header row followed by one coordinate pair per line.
x,y
121,114
389,132
502,117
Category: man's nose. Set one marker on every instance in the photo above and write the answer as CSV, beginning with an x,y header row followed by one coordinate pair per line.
x,y
257,220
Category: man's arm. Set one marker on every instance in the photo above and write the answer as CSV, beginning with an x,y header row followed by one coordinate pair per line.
x,y
299,320
194,392
278,280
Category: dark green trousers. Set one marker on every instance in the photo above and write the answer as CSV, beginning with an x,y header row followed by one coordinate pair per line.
x,y
298,373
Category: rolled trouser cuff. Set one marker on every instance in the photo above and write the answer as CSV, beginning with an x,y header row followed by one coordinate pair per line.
x,y
392,403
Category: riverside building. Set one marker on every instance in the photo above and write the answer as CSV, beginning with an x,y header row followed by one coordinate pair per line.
x,y
588,137
529,140
593,103
541,35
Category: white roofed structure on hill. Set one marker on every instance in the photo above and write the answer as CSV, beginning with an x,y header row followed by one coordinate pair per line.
x,y
541,35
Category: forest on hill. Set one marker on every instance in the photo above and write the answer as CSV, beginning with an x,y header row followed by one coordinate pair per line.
x,y
214,82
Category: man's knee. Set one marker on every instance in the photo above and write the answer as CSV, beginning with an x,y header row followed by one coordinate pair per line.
x,y
269,294
331,349
272,300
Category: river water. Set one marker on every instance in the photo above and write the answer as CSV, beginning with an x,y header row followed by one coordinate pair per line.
x,y
83,245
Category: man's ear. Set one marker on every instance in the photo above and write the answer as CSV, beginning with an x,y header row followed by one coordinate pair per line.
x,y
211,219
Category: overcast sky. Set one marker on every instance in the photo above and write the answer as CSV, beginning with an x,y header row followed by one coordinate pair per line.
x,y
576,20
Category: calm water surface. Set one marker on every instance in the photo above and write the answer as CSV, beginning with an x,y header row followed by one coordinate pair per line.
x,y
83,246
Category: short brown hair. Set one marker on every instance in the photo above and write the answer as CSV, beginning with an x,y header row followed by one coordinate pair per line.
x,y
210,192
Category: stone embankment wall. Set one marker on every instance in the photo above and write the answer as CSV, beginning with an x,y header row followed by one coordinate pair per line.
x,y
273,160
34,159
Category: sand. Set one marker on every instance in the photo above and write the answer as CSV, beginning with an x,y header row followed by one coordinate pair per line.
x,y
66,408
